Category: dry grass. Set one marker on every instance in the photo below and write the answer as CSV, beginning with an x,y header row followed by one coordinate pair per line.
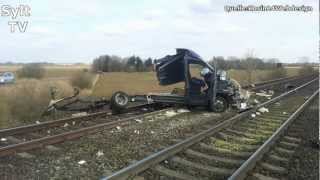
x,y
25,102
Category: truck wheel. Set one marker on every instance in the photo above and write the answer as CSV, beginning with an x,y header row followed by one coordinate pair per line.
x,y
119,101
220,105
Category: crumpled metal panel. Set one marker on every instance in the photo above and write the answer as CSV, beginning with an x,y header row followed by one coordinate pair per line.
x,y
171,69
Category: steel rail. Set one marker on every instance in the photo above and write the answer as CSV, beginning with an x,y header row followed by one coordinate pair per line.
x,y
140,166
53,123
274,82
21,147
249,164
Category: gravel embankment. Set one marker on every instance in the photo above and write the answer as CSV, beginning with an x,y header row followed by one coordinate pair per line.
x,y
305,162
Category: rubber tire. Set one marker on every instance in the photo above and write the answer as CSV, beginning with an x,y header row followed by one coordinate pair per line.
x,y
115,106
225,105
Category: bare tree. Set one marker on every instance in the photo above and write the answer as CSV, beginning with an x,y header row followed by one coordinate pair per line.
x,y
249,64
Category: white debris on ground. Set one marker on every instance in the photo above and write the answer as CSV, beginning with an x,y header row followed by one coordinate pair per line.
x,y
38,122
243,105
118,128
82,162
144,109
263,110
206,114
136,131
170,113
256,101
109,113
138,120
99,153
265,94
49,132
73,123
79,114
258,113
182,110
152,132
284,113
66,125
3,139
253,115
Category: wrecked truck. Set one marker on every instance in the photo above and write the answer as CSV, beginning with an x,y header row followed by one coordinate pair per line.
x,y
213,89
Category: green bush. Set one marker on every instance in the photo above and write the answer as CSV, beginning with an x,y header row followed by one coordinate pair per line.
x,y
82,80
31,71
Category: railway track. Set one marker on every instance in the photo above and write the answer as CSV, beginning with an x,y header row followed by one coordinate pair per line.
x,y
31,140
217,152
272,160
44,134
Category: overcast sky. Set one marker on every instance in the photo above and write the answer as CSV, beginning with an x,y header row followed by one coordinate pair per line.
x,y
67,31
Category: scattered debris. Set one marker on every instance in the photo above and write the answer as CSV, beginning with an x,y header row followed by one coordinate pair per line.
x,y
263,110
152,132
3,139
38,122
79,114
66,125
109,113
99,153
170,113
264,93
138,120
136,131
206,114
258,113
182,110
144,109
49,132
256,101
284,113
118,128
82,162
73,123
243,105
253,115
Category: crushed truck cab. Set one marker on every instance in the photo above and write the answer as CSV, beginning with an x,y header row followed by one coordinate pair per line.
x,y
213,90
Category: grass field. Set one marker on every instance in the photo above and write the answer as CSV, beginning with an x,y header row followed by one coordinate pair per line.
x,y
52,71
141,83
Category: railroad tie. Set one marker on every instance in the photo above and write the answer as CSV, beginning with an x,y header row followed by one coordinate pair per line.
x,y
197,154
201,167
273,168
292,139
161,170
263,177
275,157
243,155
